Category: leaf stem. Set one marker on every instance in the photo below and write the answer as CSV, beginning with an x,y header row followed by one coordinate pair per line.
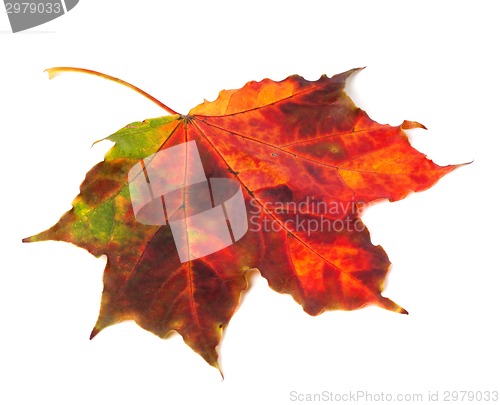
x,y
55,70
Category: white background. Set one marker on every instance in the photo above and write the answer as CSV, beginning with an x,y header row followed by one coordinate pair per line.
x,y
432,62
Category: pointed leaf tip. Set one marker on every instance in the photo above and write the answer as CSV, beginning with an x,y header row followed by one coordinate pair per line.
x,y
412,125
94,333
354,70
390,305
29,239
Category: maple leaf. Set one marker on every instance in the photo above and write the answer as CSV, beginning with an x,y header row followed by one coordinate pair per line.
x,y
305,160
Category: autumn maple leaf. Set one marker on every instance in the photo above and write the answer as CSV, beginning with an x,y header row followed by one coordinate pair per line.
x,y
301,159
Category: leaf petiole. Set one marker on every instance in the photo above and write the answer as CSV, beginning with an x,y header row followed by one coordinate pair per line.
x,y
55,70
